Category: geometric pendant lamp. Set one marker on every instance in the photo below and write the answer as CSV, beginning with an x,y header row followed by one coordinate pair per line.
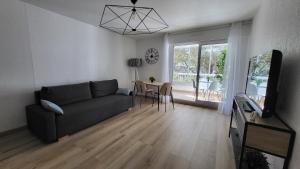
x,y
131,20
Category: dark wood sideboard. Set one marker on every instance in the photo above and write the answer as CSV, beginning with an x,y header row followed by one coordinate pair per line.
x,y
268,135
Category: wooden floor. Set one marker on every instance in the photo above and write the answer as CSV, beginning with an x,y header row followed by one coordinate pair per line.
x,y
185,138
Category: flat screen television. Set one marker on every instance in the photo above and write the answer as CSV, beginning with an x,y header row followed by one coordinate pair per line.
x,y
262,82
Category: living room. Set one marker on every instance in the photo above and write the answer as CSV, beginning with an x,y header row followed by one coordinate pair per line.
x,y
82,88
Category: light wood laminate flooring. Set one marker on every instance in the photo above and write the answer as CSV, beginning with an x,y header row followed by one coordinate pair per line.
x,y
142,138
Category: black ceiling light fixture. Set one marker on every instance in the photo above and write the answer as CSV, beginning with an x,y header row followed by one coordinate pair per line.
x,y
131,20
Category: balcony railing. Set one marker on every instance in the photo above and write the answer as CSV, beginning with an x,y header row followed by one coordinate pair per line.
x,y
188,77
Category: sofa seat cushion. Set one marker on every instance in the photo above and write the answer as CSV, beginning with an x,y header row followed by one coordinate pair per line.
x,y
104,88
84,114
66,94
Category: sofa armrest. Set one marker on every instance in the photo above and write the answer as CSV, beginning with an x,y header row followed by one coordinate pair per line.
x,y
123,91
42,123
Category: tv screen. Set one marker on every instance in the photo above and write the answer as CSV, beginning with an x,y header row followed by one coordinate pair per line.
x,y
262,80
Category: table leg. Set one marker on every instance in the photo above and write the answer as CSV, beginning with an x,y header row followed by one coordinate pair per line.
x,y
133,93
158,98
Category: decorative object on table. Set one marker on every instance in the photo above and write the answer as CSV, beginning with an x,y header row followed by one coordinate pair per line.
x,y
131,20
135,62
256,160
152,79
152,56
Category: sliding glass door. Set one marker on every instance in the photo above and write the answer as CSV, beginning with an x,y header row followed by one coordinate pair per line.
x,y
198,72
212,60
185,65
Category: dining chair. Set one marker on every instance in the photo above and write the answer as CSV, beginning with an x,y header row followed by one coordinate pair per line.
x,y
195,88
141,90
214,88
166,90
201,90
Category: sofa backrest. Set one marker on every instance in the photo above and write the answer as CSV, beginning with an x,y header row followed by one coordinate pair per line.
x,y
104,88
66,94
37,97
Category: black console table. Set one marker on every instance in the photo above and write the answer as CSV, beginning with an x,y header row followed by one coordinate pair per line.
x,y
268,135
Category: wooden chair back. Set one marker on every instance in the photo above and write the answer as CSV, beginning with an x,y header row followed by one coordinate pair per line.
x,y
140,86
166,89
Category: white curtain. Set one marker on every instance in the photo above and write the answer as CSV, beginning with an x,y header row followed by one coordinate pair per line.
x,y
166,60
166,68
235,68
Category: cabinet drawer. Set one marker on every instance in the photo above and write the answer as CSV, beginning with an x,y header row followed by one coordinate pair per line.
x,y
269,140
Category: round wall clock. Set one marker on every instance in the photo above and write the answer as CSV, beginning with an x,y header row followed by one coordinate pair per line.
x,y
152,56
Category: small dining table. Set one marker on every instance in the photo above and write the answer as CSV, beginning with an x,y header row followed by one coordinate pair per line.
x,y
154,84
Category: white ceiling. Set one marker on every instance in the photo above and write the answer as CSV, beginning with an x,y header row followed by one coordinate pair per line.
x,y
179,14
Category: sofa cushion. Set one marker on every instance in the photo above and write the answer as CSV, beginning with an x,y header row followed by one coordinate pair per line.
x,y
66,94
83,114
51,107
104,88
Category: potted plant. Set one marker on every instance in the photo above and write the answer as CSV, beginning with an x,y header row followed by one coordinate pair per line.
x,y
256,160
152,79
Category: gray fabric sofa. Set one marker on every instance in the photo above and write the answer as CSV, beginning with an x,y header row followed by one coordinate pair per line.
x,y
84,105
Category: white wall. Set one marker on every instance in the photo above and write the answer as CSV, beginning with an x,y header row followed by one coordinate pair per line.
x,y
148,70
277,26
16,71
39,47
65,50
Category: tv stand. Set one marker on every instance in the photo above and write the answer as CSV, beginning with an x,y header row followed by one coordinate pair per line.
x,y
267,135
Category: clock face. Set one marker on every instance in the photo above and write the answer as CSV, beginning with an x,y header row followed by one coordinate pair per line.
x,y
151,56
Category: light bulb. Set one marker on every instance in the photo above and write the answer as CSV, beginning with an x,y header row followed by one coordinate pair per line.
x,y
133,14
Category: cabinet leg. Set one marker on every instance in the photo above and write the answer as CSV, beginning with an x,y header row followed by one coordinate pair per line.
x,y
286,163
230,124
241,158
243,147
